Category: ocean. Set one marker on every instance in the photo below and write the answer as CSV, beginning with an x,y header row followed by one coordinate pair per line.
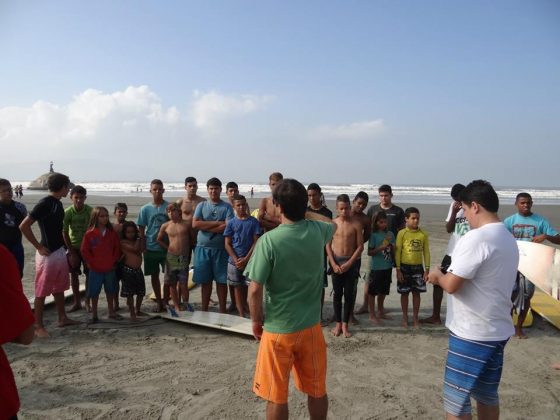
x,y
421,194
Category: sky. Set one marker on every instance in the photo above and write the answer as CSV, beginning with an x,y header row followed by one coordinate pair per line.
x,y
400,92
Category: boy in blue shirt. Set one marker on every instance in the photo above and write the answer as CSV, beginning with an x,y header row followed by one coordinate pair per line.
x,y
241,235
210,256
527,226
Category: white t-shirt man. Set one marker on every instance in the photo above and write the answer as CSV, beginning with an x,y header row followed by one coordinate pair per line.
x,y
487,258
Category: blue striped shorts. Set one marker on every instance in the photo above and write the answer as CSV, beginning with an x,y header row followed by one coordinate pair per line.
x,y
473,368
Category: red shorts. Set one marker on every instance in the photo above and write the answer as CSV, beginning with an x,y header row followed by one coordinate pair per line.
x,y
303,352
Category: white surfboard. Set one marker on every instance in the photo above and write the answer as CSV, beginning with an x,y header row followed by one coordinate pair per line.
x,y
541,265
49,300
215,320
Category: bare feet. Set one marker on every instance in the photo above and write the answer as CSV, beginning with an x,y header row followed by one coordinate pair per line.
x,y
555,366
362,310
431,320
75,307
337,330
520,334
345,331
404,323
374,320
158,308
416,324
383,315
67,322
41,332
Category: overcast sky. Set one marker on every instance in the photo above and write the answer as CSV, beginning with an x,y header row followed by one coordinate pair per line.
x,y
404,92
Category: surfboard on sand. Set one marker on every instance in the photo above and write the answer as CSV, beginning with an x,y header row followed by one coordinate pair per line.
x,y
547,307
541,265
214,320
49,300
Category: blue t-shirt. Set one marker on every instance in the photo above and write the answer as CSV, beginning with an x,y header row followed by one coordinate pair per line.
x,y
526,228
152,217
212,212
242,232
382,260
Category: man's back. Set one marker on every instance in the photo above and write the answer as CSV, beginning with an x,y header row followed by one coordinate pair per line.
x,y
288,261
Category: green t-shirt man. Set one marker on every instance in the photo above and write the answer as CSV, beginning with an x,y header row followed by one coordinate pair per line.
x,y
76,223
289,262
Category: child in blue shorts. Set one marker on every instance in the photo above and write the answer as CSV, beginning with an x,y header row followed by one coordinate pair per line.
x,y
241,235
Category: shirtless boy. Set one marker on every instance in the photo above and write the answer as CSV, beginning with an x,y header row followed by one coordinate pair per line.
x,y
131,270
359,204
178,249
188,204
269,214
344,251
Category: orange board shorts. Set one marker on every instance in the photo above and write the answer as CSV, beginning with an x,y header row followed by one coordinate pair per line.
x,y
304,352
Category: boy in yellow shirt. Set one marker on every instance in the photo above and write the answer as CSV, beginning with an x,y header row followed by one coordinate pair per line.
x,y
412,249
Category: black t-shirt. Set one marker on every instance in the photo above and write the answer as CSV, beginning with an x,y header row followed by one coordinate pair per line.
x,y
49,213
395,217
323,211
11,216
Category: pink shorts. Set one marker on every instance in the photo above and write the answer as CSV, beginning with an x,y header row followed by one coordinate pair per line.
x,y
51,273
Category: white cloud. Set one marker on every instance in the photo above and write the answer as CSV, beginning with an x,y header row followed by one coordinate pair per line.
x,y
357,131
211,108
133,116
131,128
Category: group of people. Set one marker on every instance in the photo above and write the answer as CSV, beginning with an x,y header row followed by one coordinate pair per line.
x,y
282,257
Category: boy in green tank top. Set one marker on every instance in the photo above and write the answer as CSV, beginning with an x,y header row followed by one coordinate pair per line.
x,y
74,226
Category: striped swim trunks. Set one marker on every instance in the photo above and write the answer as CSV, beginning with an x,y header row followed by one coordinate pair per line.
x,y
473,368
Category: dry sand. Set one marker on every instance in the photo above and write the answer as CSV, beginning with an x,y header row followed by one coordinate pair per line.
x,y
161,369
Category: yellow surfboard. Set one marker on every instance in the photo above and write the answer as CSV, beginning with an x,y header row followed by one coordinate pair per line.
x,y
528,319
547,307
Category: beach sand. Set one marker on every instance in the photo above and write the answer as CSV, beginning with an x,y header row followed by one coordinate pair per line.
x,y
161,369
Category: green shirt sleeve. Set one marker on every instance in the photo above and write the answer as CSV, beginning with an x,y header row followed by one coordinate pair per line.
x,y
260,265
